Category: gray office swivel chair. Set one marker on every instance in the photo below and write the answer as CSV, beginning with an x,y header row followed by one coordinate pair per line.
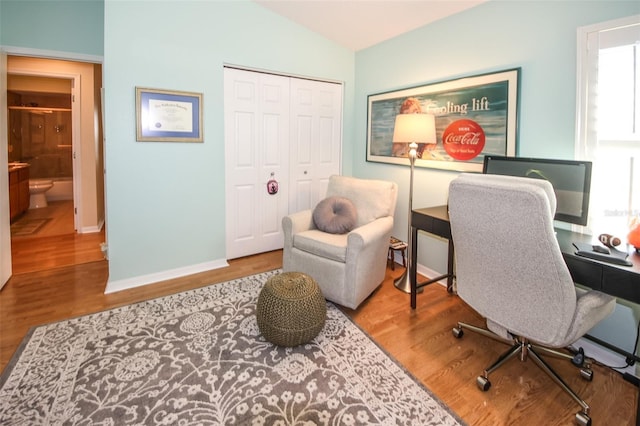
x,y
510,269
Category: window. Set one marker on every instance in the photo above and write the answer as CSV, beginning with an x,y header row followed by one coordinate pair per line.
x,y
608,131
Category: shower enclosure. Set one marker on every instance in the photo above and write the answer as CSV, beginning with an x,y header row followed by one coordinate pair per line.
x,y
42,138
40,133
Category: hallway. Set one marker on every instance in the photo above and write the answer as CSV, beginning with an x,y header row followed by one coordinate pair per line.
x,y
45,238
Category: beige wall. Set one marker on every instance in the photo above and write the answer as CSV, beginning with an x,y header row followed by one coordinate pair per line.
x,y
90,137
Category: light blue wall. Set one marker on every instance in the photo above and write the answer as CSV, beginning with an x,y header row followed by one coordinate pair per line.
x,y
165,201
538,36
61,26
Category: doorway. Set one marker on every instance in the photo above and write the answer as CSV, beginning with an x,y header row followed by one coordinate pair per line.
x,y
50,117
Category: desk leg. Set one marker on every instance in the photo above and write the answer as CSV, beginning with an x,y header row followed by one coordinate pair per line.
x,y
450,272
413,266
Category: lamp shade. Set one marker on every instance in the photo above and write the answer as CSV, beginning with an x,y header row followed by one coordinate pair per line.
x,y
418,128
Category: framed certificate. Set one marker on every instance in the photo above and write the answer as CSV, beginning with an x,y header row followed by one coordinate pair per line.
x,y
168,116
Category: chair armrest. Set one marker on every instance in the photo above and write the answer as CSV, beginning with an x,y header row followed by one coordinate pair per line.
x,y
370,232
298,222
369,244
294,224
291,225
366,256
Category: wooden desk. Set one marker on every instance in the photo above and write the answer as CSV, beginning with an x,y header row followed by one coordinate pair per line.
x,y
434,220
619,281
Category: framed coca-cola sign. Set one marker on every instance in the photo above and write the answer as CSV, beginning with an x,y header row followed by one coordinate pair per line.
x,y
474,116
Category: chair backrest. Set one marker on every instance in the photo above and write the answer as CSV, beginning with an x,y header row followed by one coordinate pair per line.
x,y
509,266
372,198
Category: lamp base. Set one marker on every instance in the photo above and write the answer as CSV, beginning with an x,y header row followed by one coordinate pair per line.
x,y
403,283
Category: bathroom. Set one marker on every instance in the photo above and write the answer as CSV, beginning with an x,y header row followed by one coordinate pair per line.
x,y
54,117
40,136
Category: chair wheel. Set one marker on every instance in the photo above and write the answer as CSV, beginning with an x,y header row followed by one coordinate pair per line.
x,y
457,332
578,358
586,374
483,383
583,419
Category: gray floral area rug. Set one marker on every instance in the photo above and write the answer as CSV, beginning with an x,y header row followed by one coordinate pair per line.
x,y
197,358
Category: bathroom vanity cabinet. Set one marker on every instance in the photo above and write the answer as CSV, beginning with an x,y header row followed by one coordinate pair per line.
x,y
18,190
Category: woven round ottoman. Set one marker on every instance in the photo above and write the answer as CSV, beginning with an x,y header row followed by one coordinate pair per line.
x,y
291,309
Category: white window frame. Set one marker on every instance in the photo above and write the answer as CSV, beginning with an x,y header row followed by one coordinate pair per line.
x,y
586,134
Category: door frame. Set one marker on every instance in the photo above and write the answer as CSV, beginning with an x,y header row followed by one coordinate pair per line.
x,y
76,148
5,255
5,218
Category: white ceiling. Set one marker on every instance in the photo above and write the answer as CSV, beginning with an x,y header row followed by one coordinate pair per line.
x,y
358,24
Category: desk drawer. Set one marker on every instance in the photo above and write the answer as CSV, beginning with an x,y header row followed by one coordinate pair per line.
x,y
621,284
583,272
441,228
432,225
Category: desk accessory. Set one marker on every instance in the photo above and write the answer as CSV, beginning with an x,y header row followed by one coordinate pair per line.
x,y
602,254
609,240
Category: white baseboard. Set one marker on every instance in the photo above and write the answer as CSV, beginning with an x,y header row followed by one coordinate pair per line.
x,y
91,229
128,283
428,272
422,270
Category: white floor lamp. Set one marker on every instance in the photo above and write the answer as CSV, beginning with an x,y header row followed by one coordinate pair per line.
x,y
412,129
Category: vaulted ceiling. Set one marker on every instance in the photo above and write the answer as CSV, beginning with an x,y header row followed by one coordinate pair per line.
x,y
358,24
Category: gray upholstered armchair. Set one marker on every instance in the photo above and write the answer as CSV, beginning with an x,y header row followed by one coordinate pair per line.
x,y
349,266
510,269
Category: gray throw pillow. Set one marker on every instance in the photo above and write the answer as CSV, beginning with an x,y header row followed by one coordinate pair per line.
x,y
335,215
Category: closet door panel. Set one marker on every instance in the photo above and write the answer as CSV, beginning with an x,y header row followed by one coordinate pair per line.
x,y
316,108
256,150
281,128
244,227
273,206
244,128
303,190
303,140
330,130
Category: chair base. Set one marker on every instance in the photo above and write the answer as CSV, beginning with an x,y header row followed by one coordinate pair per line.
x,y
526,349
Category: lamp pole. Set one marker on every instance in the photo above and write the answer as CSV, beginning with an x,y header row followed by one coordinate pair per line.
x,y
414,128
403,283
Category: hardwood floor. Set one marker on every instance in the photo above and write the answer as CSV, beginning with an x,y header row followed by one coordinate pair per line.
x,y
420,340
53,244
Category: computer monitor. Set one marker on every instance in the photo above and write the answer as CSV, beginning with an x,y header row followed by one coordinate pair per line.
x,y
571,180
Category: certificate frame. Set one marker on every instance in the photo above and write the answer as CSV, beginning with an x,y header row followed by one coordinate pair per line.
x,y
168,116
485,106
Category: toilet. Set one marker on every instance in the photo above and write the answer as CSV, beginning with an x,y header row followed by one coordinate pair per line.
x,y
37,189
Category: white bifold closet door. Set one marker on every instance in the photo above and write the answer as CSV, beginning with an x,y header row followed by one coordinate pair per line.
x,y
276,128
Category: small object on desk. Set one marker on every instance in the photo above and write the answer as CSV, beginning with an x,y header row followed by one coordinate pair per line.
x,y
602,254
601,249
396,244
609,240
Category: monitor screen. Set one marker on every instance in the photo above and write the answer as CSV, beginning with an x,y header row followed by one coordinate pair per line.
x,y
571,181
